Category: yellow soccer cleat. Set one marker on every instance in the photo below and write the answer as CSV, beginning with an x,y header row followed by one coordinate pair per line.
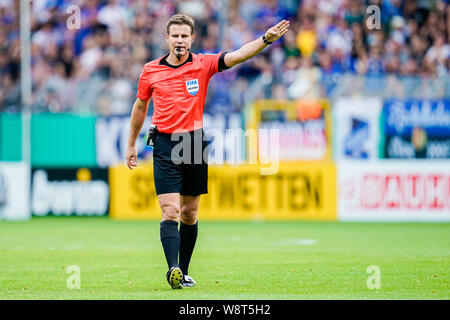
x,y
174,278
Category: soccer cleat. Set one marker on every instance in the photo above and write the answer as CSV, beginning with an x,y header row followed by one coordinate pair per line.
x,y
188,281
175,277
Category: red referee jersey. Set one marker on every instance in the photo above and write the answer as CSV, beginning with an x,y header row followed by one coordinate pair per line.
x,y
178,92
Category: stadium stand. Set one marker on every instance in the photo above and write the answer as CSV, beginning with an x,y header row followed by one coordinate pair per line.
x,y
95,68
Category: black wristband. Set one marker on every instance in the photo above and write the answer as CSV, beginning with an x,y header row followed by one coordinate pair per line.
x,y
265,40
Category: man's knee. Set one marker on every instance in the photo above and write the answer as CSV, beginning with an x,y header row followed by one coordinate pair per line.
x,y
170,212
189,215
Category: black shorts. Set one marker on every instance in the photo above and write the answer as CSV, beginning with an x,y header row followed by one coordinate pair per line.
x,y
180,163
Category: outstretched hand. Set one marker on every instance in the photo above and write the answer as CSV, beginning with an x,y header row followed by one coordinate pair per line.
x,y
276,32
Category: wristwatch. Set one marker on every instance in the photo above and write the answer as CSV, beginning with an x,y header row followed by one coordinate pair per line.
x,y
265,40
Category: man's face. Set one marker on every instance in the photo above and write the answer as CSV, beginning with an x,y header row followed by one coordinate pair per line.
x,y
179,39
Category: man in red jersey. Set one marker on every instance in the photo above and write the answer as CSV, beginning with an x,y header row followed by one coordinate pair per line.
x,y
178,83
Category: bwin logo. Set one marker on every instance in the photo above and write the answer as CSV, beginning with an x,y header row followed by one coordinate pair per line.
x,y
192,86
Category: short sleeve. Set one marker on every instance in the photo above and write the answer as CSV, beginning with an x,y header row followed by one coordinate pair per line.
x,y
211,63
144,91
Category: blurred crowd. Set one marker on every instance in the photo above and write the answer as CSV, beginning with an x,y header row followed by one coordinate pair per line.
x,y
93,64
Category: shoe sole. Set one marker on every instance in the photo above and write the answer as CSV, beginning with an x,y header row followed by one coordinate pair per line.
x,y
175,278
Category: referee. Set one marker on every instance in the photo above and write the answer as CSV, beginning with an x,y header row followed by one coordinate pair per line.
x,y
178,83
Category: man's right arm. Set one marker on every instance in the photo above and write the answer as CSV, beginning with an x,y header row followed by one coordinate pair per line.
x,y
251,49
138,115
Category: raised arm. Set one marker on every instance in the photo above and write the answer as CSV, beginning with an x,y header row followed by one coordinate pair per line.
x,y
251,49
138,114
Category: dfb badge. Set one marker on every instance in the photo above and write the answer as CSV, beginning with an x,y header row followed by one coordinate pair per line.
x,y
192,86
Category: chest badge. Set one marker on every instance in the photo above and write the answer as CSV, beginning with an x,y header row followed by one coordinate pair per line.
x,y
192,86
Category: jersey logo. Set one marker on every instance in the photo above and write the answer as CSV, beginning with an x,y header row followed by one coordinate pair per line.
x,y
192,86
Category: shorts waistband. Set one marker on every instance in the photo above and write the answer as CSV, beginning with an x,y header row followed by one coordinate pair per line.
x,y
178,133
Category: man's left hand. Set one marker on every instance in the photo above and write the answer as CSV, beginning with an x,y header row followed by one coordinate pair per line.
x,y
276,32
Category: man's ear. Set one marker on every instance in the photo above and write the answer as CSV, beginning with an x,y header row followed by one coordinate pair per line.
x,y
167,37
193,37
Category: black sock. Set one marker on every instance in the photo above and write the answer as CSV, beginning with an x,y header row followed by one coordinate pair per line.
x,y
188,236
170,239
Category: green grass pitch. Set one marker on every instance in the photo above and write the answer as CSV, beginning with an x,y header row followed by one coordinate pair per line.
x,y
232,260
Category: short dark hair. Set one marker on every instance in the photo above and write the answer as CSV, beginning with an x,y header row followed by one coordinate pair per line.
x,y
180,19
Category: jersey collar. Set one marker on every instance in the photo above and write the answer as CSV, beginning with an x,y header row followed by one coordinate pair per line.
x,y
165,63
